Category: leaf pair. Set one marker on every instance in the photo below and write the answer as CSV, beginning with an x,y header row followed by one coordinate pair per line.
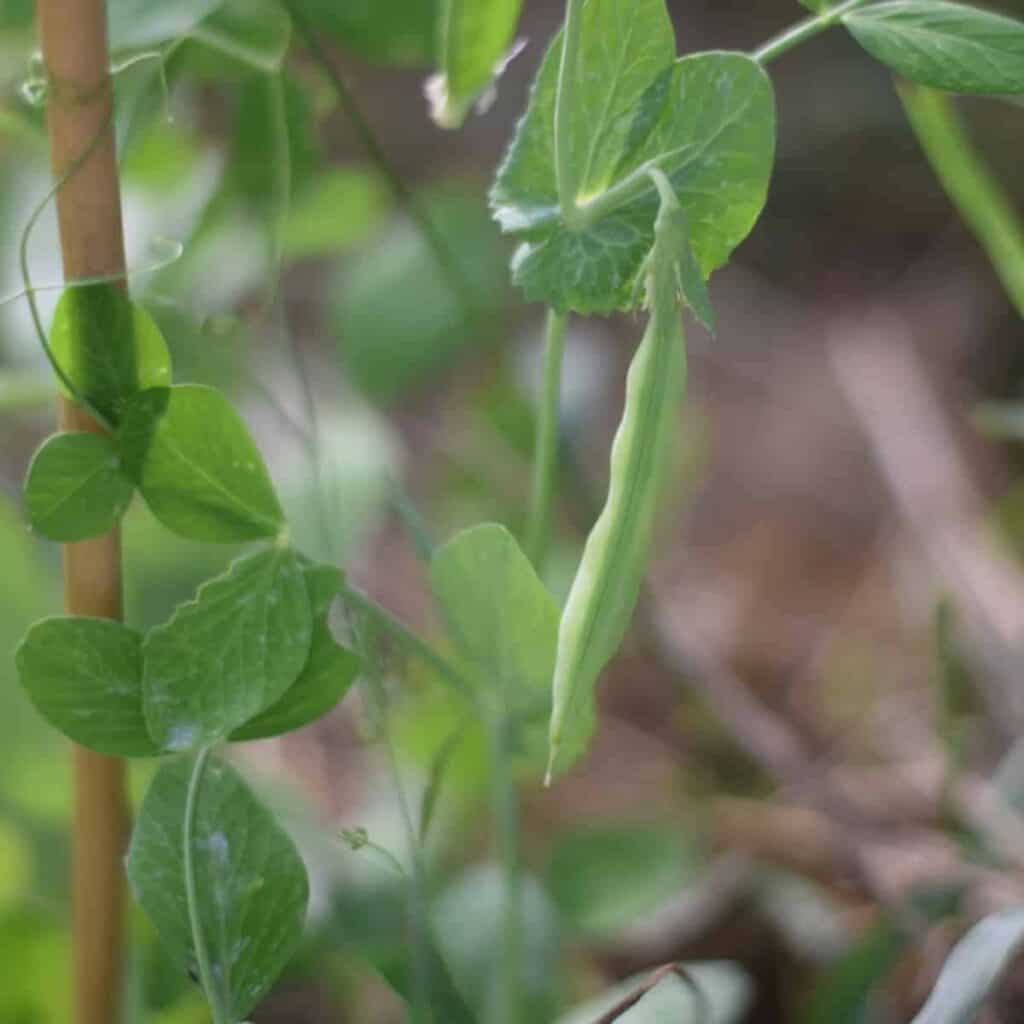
x,y
251,656
707,122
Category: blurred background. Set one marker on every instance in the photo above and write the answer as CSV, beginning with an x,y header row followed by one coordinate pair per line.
x,y
806,767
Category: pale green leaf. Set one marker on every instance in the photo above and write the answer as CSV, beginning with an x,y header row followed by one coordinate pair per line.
x,y
137,24
254,32
475,35
197,467
228,654
328,674
945,45
335,212
75,488
108,346
85,678
500,614
707,122
250,882
974,968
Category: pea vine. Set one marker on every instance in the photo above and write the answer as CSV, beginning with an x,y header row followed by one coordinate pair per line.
x,y
632,176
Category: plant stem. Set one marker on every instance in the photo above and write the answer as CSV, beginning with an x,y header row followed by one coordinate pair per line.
x,y
73,39
192,896
403,195
545,449
565,167
978,196
505,805
804,30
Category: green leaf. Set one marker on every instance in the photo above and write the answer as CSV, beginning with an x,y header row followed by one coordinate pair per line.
x,y
474,38
254,32
707,122
604,878
85,678
400,32
499,612
197,467
335,212
468,916
944,45
108,346
228,654
974,968
75,488
328,674
250,881
137,24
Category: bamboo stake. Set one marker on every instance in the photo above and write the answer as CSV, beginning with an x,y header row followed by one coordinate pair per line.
x,y
73,35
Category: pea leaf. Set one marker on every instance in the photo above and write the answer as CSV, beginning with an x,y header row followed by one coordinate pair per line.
x,y
329,672
196,465
75,488
499,612
974,968
707,122
254,32
108,346
474,38
85,678
228,654
250,882
944,45
136,24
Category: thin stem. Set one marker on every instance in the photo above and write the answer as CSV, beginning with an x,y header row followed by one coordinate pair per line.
x,y
505,807
970,184
410,640
565,168
403,195
545,450
192,896
804,30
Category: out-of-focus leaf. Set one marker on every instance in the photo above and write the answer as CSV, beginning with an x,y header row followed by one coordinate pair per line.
x,y
474,38
400,32
1002,420
136,24
36,954
604,879
467,917
335,211
400,317
974,969
255,32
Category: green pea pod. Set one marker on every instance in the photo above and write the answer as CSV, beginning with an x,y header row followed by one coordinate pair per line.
x,y
607,584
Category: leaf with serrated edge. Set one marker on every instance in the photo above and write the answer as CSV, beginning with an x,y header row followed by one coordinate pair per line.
x,y
228,654
85,678
707,122
944,45
197,466
251,883
74,488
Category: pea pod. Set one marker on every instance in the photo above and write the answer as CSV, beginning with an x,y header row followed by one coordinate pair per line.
x,y
607,583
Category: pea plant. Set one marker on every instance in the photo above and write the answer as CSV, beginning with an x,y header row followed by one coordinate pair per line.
x,y
632,176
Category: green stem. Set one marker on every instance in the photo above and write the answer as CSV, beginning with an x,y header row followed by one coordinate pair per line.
x,y
565,169
804,30
191,896
505,804
545,451
975,192
413,643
